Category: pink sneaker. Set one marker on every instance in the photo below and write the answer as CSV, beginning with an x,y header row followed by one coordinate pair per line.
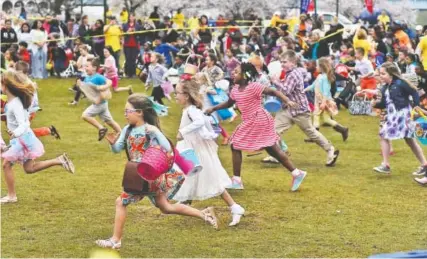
x,y
236,184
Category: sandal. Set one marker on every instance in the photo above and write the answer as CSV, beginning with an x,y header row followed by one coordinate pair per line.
x,y
54,132
67,163
209,217
101,134
109,243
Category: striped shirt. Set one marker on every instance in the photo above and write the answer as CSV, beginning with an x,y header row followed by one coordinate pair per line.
x,y
293,87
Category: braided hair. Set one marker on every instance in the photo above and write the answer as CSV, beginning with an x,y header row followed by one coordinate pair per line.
x,y
249,72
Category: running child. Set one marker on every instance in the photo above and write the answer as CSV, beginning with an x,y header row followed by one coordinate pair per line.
x,y
193,133
247,94
25,147
111,71
144,128
101,109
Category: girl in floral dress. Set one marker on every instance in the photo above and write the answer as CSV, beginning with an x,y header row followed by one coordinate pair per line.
x,y
144,124
247,94
397,123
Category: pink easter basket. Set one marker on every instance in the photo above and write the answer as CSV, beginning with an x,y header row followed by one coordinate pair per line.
x,y
156,162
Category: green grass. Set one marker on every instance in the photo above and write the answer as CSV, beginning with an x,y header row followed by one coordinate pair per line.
x,y
345,211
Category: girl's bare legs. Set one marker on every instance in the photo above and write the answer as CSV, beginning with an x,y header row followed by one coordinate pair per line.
x,y
9,178
119,220
177,208
227,198
32,166
165,207
416,149
385,149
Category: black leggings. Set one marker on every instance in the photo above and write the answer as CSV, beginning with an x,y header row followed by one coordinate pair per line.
x,y
158,94
77,94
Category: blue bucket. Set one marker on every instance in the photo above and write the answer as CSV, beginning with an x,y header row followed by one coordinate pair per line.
x,y
412,254
421,130
271,104
190,155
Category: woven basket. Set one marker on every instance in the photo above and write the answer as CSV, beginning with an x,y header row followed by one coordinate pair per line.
x,y
154,163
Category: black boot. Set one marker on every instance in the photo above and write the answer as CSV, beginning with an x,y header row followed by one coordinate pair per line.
x,y
342,130
338,103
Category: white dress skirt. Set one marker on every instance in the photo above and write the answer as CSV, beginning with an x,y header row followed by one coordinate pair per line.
x,y
213,179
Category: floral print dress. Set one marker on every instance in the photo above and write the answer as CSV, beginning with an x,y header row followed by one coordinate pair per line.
x,y
397,124
137,143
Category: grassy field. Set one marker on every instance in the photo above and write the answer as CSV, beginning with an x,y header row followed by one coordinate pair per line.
x,y
345,211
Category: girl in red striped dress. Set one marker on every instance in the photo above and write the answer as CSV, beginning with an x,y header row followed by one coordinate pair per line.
x,y
256,132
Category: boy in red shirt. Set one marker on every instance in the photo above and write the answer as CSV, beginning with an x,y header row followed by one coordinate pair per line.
x,y
23,53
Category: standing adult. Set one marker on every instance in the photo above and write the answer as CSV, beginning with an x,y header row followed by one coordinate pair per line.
x,y
39,50
179,19
112,33
155,17
98,39
85,31
24,33
131,45
124,15
23,14
422,50
8,36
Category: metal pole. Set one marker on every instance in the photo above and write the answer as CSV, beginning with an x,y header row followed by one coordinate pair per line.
x,y
315,8
105,11
338,7
81,8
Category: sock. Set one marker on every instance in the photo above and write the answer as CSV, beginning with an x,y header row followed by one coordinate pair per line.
x,y
238,178
234,206
295,172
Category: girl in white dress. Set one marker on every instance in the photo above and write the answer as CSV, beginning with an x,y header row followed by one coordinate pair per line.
x,y
196,133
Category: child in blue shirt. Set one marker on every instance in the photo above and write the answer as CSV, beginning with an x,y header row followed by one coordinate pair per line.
x,y
100,109
324,103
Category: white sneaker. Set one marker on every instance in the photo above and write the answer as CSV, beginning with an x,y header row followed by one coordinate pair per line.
x,y
237,212
270,160
7,199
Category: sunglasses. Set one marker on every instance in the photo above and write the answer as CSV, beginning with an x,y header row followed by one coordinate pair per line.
x,y
127,111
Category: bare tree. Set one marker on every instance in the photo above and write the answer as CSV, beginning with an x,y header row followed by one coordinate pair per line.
x,y
263,8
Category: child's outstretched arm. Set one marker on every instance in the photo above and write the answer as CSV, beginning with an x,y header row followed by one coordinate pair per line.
x,y
280,95
117,144
230,102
